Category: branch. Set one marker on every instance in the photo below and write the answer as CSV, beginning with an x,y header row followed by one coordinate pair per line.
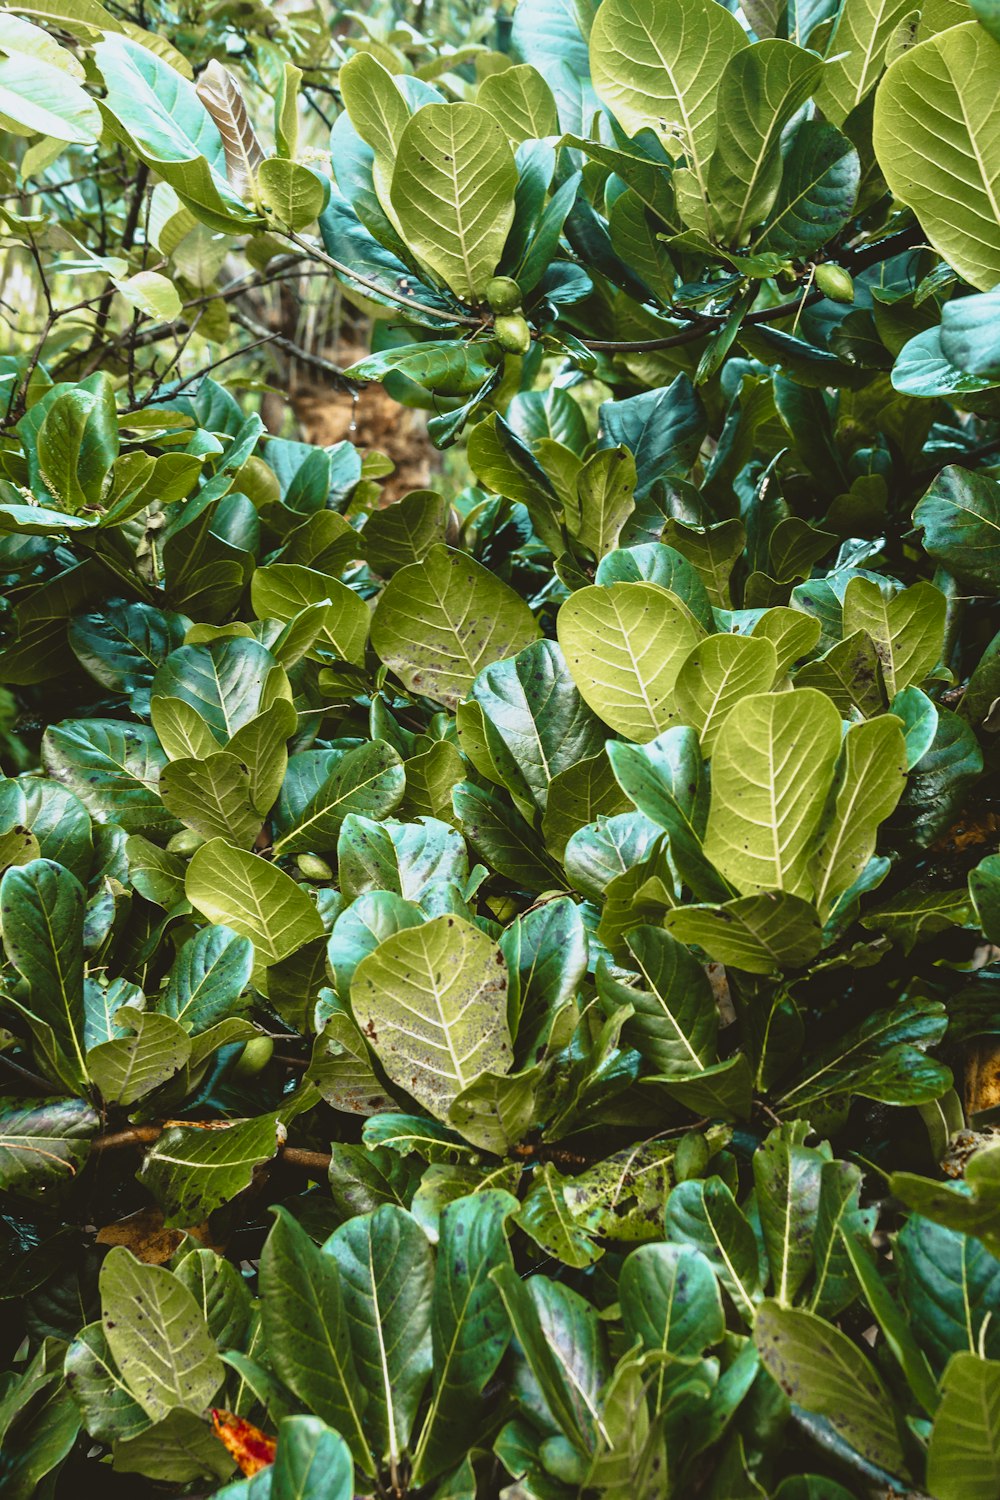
x,y
381,291
148,1135
704,324
314,361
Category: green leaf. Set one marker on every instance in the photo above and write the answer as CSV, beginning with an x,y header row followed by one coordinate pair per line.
x,y
624,646
157,1336
871,776
969,334
771,773
42,909
663,429
113,768
578,796
191,1171
895,1328
759,92
401,857
787,1175
341,1068
469,1330
880,1059
228,682
820,1369
706,1215
960,517
179,1449
307,1331
453,193
76,443
497,1109
448,367
433,1002
659,66
43,1143
546,950
545,1217
605,491
963,1460
975,1211
406,531
439,622
757,933
128,1068
670,1301
936,129
522,102
675,1019
254,898
165,122
290,193
532,704
839,1217
817,194
212,796
368,781
207,978
108,1408
539,1311
38,99
386,1282
950,1285
652,562
719,672
281,590
856,54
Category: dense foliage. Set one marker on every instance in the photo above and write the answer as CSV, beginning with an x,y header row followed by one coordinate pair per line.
x,y
500,989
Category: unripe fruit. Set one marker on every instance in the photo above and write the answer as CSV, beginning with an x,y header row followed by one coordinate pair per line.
x,y
314,868
185,842
692,1156
834,282
503,294
512,334
254,1058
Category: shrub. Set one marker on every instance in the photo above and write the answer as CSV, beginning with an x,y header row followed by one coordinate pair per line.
x,y
495,985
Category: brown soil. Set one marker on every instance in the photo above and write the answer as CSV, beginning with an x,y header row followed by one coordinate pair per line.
x,y
326,416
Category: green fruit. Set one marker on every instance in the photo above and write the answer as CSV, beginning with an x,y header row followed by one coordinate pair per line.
x,y
254,1058
185,842
834,282
692,1156
512,334
503,294
314,868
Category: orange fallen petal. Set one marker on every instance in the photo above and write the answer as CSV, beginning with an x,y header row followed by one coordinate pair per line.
x,y
252,1449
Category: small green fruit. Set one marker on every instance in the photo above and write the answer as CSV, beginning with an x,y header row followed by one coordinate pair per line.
x,y
512,334
834,282
692,1156
254,1058
503,294
314,868
185,842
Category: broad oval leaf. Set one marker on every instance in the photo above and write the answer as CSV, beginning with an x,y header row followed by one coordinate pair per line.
x,y
432,1001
